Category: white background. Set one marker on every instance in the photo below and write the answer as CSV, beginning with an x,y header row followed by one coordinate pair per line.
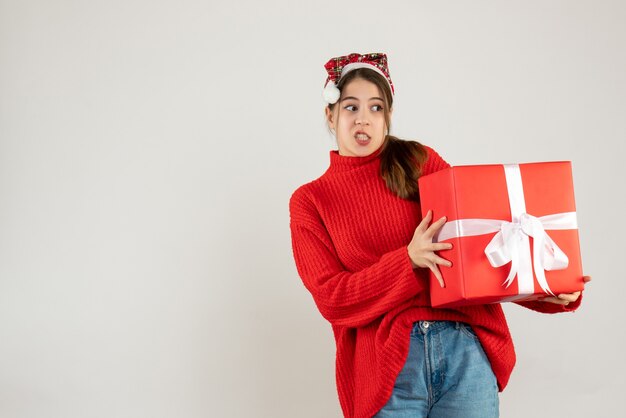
x,y
148,150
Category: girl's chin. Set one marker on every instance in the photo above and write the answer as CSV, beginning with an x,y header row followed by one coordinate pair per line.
x,y
360,152
359,148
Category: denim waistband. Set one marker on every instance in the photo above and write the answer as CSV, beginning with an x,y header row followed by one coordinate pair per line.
x,y
423,327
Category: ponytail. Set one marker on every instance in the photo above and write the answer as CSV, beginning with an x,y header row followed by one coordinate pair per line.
x,y
401,165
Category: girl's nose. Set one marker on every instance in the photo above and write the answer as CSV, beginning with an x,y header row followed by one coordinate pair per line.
x,y
362,121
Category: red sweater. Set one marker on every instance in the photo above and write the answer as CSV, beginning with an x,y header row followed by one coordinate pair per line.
x,y
350,235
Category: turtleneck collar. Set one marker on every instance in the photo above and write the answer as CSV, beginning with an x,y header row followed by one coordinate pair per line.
x,y
340,162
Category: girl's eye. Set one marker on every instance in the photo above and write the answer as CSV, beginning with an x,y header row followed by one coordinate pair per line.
x,y
377,108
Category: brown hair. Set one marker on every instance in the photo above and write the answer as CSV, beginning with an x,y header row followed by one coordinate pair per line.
x,y
401,160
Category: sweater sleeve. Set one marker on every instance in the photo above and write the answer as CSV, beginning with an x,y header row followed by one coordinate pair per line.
x,y
346,298
434,162
551,308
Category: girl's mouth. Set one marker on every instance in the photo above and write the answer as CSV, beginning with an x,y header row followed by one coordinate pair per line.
x,y
362,139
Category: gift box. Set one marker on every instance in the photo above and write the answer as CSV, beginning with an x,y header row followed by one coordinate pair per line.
x,y
513,229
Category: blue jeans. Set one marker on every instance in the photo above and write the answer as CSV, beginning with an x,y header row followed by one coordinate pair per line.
x,y
446,374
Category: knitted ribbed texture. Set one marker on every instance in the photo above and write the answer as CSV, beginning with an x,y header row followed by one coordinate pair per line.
x,y
350,235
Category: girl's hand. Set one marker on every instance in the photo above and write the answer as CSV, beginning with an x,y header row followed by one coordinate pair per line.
x,y
565,298
422,248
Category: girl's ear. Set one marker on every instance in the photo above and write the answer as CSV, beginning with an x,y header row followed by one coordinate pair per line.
x,y
330,118
390,114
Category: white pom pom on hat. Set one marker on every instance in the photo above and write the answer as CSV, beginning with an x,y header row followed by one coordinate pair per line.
x,y
337,67
331,93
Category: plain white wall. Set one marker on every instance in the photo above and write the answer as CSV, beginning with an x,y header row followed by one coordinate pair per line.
x,y
148,150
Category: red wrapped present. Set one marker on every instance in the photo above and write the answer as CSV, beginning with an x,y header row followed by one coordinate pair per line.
x,y
513,229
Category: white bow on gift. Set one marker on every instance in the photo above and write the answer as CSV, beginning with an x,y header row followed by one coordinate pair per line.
x,y
511,242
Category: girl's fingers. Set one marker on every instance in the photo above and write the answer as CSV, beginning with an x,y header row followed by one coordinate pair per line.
x,y
437,273
433,267
552,299
442,261
425,221
570,297
438,246
428,217
436,226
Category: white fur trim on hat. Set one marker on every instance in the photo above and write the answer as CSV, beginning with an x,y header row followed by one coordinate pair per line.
x,y
354,65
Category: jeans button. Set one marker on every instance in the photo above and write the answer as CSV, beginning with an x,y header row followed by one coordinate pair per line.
x,y
426,324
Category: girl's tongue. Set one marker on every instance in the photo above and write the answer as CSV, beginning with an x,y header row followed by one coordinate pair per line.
x,y
362,139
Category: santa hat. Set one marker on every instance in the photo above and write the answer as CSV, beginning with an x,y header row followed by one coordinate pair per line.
x,y
339,66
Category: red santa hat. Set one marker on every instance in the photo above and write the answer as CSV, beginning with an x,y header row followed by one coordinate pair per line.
x,y
338,67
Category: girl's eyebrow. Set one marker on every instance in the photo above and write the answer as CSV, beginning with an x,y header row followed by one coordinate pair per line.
x,y
354,98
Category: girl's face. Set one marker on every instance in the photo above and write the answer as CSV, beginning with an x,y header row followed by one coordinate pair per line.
x,y
358,119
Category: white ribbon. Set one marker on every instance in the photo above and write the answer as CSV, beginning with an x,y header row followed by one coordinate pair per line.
x,y
511,243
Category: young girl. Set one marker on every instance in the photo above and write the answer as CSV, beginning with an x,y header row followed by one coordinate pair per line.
x,y
363,251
